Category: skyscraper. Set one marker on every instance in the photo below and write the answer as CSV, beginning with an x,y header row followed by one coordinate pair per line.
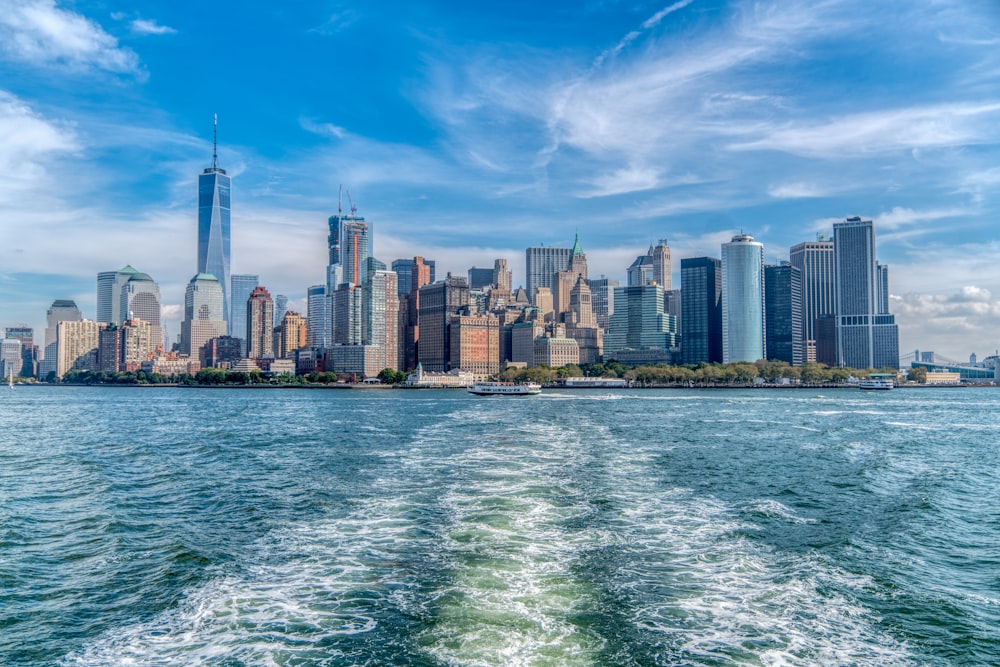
x,y
421,273
294,334
639,322
541,266
663,266
260,324
701,308
742,299
318,315
380,325
140,299
814,260
280,308
242,285
214,224
109,290
439,302
355,251
783,313
602,299
204,314
61,310
25,335
78,342
866,337
564,281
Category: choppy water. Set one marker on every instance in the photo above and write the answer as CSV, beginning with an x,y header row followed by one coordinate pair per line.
x,y
312,527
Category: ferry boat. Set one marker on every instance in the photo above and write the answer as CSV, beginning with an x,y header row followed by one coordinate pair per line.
x,y
875,383
505,389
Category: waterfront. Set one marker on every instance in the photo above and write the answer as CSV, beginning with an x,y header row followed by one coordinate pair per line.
x,y
197,526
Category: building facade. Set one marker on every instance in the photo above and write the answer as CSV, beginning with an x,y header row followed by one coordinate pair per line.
x,y
701,304
814,260
260,324
541,265
743,320
439,302
109,290
639,322
783,314
214,228
204,314
61,310
140,300
242,284
866,337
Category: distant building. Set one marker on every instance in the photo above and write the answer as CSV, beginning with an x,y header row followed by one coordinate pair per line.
x,y
639,321
556,351
475,344
742,299
541,265
140,300
10,358
380,316
214,229
204,314
222,352
77,346
421,273
318,303
439,302
61,310
29,352
814,260
602,299
109,290
866,336
242,285
783,313
480,278
294,334
259,325
454,378
701,298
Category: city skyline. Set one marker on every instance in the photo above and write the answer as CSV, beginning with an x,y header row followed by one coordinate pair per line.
x,y
494,135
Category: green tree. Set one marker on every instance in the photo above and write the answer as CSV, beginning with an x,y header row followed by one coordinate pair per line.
x,y
917,374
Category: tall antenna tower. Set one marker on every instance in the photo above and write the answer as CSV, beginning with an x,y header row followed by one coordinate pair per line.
x,y
215,141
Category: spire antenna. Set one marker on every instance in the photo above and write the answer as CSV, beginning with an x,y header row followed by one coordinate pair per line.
x,y
215,141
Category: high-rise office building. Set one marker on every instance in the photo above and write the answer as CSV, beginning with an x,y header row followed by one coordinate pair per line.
x,y
581,324
439,302
280,308
346,311
109,290
602,299
260,324
701,305
566,279
61,310
541,266
11,361
640,271
140,299
783,314
29,352
480,278
421,273
814,260
742,299
204,314
662,265
318,315
639,322
502,277
214,225
475,344
866,337
243,285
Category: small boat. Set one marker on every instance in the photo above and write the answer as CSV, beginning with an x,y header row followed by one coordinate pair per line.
x,y
505,389
876,383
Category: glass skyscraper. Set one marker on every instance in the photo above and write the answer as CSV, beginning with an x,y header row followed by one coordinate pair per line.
x,y
701,310
742,299
243,285
814,260
214,228
783,314
541,265
867,337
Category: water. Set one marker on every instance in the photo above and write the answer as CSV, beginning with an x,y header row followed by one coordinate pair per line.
x,y
325,527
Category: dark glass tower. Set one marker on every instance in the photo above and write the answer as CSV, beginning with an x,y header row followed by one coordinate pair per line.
x,y
214,226
783,314
701,308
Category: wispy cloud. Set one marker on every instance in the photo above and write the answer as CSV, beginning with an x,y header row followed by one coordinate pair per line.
x,y
901,216
880,131
38,32
336,22
149,27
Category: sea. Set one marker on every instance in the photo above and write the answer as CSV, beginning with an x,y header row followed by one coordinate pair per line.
x,y
229,527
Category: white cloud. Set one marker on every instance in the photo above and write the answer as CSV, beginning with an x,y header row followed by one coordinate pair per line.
x,y
322,129
900,216
620,181
27,140
796,191
882,131
147,27
38,32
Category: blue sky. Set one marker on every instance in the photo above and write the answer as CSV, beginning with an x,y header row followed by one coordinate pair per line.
x,y
469,132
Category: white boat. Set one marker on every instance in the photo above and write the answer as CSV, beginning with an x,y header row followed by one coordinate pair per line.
x,y
875,383
505,389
